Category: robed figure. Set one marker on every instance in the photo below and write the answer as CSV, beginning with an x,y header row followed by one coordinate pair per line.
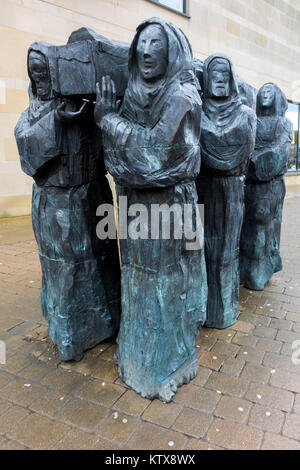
x,y
152,151
265,190
60,148
227,140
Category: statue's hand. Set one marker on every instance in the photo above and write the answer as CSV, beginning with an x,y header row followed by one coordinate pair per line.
x,y
69,116
106,99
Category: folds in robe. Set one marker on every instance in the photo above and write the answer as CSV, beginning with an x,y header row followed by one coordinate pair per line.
x,y
227,140
152,151
80,273
265,191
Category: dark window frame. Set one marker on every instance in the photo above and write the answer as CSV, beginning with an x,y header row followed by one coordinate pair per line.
x,y
182,13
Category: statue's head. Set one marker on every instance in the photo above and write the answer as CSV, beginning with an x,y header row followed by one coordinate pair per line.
x,y
266,96
271,101
152,53
160,50
39,74
219,74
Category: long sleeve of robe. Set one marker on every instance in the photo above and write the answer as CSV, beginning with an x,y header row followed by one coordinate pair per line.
x,y
168,154
37,143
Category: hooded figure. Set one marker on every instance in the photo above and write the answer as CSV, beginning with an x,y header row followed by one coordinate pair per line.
x,y
59,147
227,140
152,151
265,190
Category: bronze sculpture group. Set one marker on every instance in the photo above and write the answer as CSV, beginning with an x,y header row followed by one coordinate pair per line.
x,y
171,131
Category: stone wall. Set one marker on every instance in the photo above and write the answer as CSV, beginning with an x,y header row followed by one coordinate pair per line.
x,y
261,36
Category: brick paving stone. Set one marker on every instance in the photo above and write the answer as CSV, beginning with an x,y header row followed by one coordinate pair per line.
x,y
265,332
202,376
291,427
210,360
19,392
296,408
275,442
256,320
249,354
286,349
227,385
50,402
36,371
108,354
206,343
64,381
101,392
132,403
11,418
270,397
105,445
269,311
296,327
198,444
7,323
38,432
163,414
192,423
286,380
232,408
76,440
267,419
12,445
293,316
266,344
234,436
281,324
233,366
83,414
151,437
256,373
16,362
245,339
118,427
287,336
198,398
105,370
225,349
4,405
242,326
278,361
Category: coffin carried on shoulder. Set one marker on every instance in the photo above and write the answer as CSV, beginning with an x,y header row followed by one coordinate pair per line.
x,y
76,67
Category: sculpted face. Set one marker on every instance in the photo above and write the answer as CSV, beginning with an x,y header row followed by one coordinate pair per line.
x,y
267,96
152,53
40,75
219,79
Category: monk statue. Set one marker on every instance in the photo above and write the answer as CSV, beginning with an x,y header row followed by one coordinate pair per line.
x,y
265,190
60,147
152,151
227,141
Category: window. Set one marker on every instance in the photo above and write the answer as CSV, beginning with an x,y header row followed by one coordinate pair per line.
x,y
293,115
175,5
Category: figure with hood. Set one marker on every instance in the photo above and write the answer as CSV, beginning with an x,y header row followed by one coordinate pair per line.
x,y
152,151
265,190
227,141
59,147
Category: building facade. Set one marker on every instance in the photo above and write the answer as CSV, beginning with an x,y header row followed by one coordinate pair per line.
x,y
262,37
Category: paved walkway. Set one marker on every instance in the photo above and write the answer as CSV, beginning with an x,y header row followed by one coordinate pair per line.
x,y
246,395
